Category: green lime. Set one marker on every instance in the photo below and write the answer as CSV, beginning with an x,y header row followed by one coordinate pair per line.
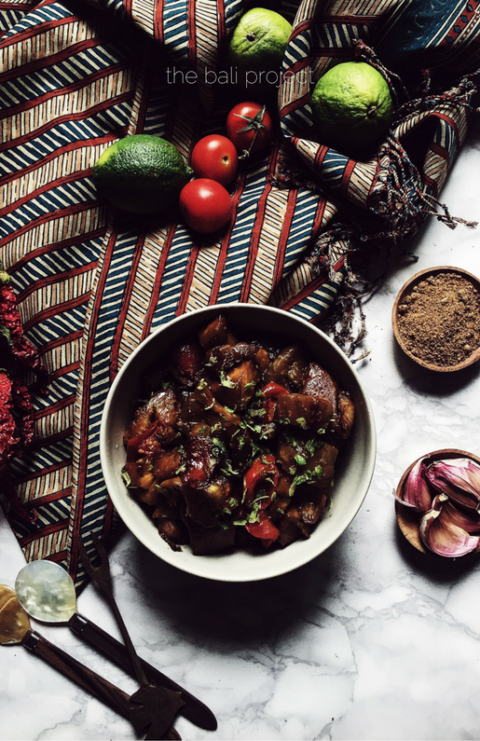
x,y
352,106
259,40
141,173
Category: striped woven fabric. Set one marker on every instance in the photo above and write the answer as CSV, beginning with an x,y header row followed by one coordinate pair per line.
x,y
93,282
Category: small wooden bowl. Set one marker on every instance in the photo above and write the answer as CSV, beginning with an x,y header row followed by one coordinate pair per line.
x,y
406,291
407,518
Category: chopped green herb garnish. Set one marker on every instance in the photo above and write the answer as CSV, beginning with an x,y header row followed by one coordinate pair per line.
x,y
126,477
226,381
302,422
218,444
304,478
257,412
300,460
228,470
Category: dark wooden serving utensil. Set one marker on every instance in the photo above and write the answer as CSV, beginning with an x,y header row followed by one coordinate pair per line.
x,y
46,592
153,707
15,628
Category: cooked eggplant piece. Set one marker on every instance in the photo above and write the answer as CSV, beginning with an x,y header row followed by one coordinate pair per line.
x,y
199,463
215,333
324,457
345,416
187,362
239,444
312,506
288,449
288,368
150,496
166,462
205,504
207,540
173,531
162,407
291,527
319,383
237,387
224,357
299,410
140,472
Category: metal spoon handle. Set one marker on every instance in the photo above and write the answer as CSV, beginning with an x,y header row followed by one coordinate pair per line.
x,y
89,680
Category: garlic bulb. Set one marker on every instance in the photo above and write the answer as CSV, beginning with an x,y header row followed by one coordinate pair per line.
x,y
447,493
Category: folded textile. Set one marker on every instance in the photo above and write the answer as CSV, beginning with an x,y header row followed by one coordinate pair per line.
x,y
93,282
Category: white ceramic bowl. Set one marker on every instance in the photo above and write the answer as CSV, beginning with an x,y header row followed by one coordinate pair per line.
x,y
353,472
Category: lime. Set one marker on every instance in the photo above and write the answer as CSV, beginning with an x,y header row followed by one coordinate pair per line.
x,y
352,106
141,173
259,40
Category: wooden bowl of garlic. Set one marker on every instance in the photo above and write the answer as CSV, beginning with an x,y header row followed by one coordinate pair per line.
x,y
437,503
436,318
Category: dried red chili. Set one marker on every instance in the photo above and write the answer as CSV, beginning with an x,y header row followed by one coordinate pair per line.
x,y
9,438
21,349
16,409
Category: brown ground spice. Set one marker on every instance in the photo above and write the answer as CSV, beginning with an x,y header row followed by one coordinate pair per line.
x,y
439,322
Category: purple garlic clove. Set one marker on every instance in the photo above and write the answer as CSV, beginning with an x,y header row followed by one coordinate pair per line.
x,y
441,532
415,491
459,478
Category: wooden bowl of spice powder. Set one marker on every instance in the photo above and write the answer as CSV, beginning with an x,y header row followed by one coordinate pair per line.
x,y
436,318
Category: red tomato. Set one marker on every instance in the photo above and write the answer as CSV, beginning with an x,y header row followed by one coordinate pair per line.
x,y
249,126
215,157
205,205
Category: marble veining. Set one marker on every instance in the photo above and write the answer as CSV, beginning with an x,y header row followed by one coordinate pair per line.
x,y
369,641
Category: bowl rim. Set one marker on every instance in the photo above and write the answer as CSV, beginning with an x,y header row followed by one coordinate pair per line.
x,y
408,519
408,286
168,556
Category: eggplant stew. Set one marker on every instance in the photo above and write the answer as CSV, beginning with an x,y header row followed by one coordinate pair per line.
x,y
236,444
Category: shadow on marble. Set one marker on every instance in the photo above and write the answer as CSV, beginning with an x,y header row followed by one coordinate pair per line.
x,y
423,381
238,615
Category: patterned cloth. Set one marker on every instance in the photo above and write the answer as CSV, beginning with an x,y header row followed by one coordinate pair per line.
x,y
92,282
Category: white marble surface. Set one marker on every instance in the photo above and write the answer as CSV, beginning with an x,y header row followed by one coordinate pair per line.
x,y
369,641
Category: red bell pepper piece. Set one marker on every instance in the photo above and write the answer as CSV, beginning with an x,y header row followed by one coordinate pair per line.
x,y
261,469
265,529
271,391
135,444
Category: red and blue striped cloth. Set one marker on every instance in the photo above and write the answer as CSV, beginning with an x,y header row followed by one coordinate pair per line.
x,y
92,282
